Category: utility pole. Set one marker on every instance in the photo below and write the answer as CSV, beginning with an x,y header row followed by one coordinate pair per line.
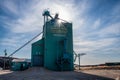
x,y
5,51
79,55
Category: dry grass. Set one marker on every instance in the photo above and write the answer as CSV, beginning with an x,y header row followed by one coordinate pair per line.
x,y
100,68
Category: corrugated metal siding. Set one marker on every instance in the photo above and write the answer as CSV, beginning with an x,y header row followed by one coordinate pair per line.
x,y
37,60
38,53
52,46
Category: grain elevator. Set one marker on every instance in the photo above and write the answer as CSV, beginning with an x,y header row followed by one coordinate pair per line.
x,y
54,50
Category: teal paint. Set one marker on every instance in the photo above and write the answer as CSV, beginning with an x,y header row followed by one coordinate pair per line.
x,y
57,45
54,46
16,66
37,53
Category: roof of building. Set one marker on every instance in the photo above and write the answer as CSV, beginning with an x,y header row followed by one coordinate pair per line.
x,y
19,60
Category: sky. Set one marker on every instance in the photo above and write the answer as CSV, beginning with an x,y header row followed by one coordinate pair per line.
x,y
96,26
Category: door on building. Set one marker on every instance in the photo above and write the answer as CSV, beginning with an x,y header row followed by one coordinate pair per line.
x,y
37,60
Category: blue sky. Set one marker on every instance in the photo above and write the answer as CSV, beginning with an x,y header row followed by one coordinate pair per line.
x,y
96,26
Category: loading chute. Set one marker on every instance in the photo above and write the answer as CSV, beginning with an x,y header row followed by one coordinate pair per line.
x,y
25,44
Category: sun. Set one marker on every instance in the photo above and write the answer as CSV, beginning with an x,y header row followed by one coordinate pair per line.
x,y
62,11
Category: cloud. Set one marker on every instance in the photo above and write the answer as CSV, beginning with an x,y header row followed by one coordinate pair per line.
x,y
27,24
91,46
12,41
111,30
10,6
31,16
96,24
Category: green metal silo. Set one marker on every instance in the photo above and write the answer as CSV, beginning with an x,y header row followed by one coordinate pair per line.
x,y
58,49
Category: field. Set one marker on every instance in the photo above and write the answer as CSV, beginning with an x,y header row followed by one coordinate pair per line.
x,y
100,68
37,73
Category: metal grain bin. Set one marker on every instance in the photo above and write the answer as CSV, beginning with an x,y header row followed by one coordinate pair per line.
x,y
58,49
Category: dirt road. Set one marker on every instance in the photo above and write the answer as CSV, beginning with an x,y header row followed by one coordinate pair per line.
x,y
44,74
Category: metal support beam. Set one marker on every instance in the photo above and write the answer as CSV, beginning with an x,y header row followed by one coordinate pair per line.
x,y
79,55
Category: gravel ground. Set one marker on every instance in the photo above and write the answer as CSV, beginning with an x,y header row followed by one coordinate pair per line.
x,y
37,73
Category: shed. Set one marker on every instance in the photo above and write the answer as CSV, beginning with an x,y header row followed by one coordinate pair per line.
x,y
19,64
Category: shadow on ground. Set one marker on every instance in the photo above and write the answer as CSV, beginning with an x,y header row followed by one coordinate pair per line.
x,y
43,74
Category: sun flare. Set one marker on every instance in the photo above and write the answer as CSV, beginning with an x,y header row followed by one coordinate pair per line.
x,y
62,11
